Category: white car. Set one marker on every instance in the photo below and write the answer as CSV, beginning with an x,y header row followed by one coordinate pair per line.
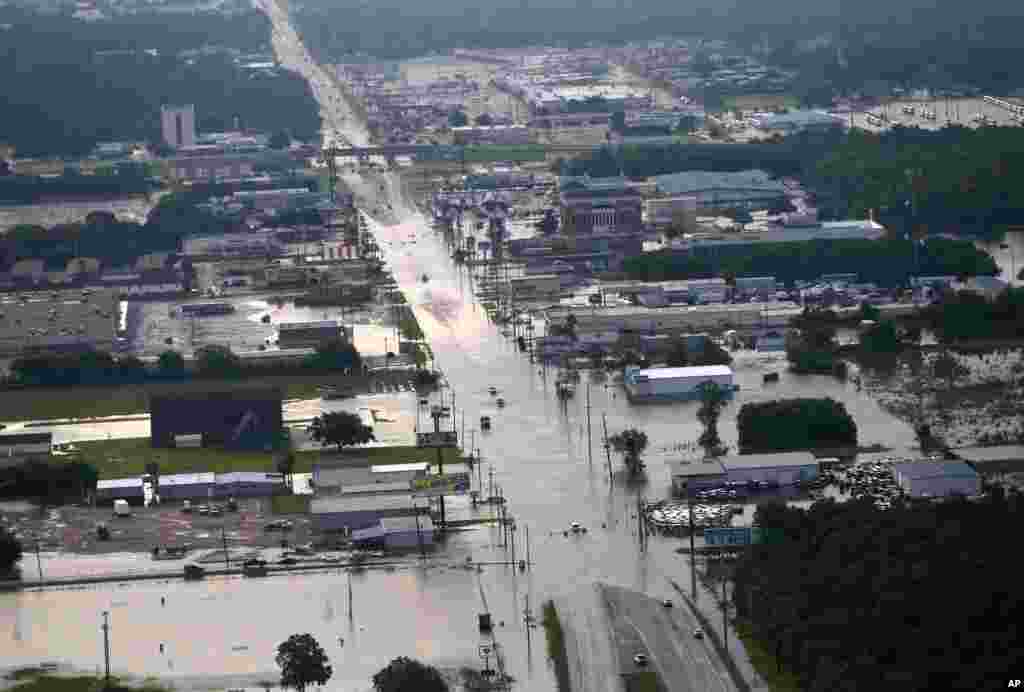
x,y
640,659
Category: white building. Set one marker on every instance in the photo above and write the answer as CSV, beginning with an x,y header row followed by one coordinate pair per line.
x,y
676,383
696,475
178,124
934,479
782,469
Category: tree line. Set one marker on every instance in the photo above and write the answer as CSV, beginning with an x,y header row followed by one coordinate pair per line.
x,y
918,597
63,97
794,424
965,315
93,367
887,262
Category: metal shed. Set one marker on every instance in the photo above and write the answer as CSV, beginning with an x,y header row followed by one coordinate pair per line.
x,y
129,489
187,486
352,512
785,468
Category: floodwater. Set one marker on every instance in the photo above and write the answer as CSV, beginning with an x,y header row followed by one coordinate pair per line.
x,y
537,452
1008,254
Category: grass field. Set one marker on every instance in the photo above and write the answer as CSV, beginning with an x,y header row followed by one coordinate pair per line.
x,y
764,662
754,102
36,680
125,458
44,403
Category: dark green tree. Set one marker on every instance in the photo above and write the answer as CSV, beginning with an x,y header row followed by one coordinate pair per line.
x,y
217,361
10,551
484,120
170,364
408,675
678,353
303,662
631,444
794,424
712,401
340,428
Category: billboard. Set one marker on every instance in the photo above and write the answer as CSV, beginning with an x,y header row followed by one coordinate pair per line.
x,y
444,438
435,486
742,535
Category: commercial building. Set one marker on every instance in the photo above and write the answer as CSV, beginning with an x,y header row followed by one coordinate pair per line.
x,y
692,476
242,418
798,121
178,125
720,244
786,468
666,211
492,134
187,486
599,205
309,334
753,189
399,533
212,166
346,513
249,484
685,318
336,480
650,384
67,320
937,479
129,489
536,286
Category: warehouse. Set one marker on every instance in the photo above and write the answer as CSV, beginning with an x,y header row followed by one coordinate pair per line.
x,y
937,479
25,446
309,334
348,479
786,468
239,418
397,533
249,484
59,321
129,489
344,514
187,486
691,476
536,286
675,383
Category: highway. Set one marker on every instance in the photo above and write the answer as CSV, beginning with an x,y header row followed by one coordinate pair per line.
x,y
593,659
644,625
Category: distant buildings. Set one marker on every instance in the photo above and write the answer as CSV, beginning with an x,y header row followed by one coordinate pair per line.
x,y
753,189
798,121
714,245
599,205
492,134
178,125
59,321
309,334
937,479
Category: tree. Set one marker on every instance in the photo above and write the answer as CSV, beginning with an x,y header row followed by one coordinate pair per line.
x,y
286,467
408,675
10,551
131,369
340,428
303,662
869,312
336,354
712,401
457,119
484,120
153,471
282,139
678,354
794,424
880,339
217,361
630,444
170,364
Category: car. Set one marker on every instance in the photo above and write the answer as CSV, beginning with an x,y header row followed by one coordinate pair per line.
x,y
667,603
203,510
698,633
575,527
640,659
215,511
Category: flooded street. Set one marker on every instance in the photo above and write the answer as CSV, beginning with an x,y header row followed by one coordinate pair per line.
x,y
52,213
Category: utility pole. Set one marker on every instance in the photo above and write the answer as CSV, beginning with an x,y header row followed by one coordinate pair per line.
x,y
419,534
224,542
39,562
106,648
435,413
350,595
590,443
526,528
725,613
607,445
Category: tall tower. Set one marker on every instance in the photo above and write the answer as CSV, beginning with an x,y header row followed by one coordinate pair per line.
x,y
178,124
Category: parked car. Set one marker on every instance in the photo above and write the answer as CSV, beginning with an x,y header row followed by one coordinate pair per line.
x,y
698,633
640,659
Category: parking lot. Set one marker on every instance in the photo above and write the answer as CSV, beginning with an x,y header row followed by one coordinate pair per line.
x,y
917,112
